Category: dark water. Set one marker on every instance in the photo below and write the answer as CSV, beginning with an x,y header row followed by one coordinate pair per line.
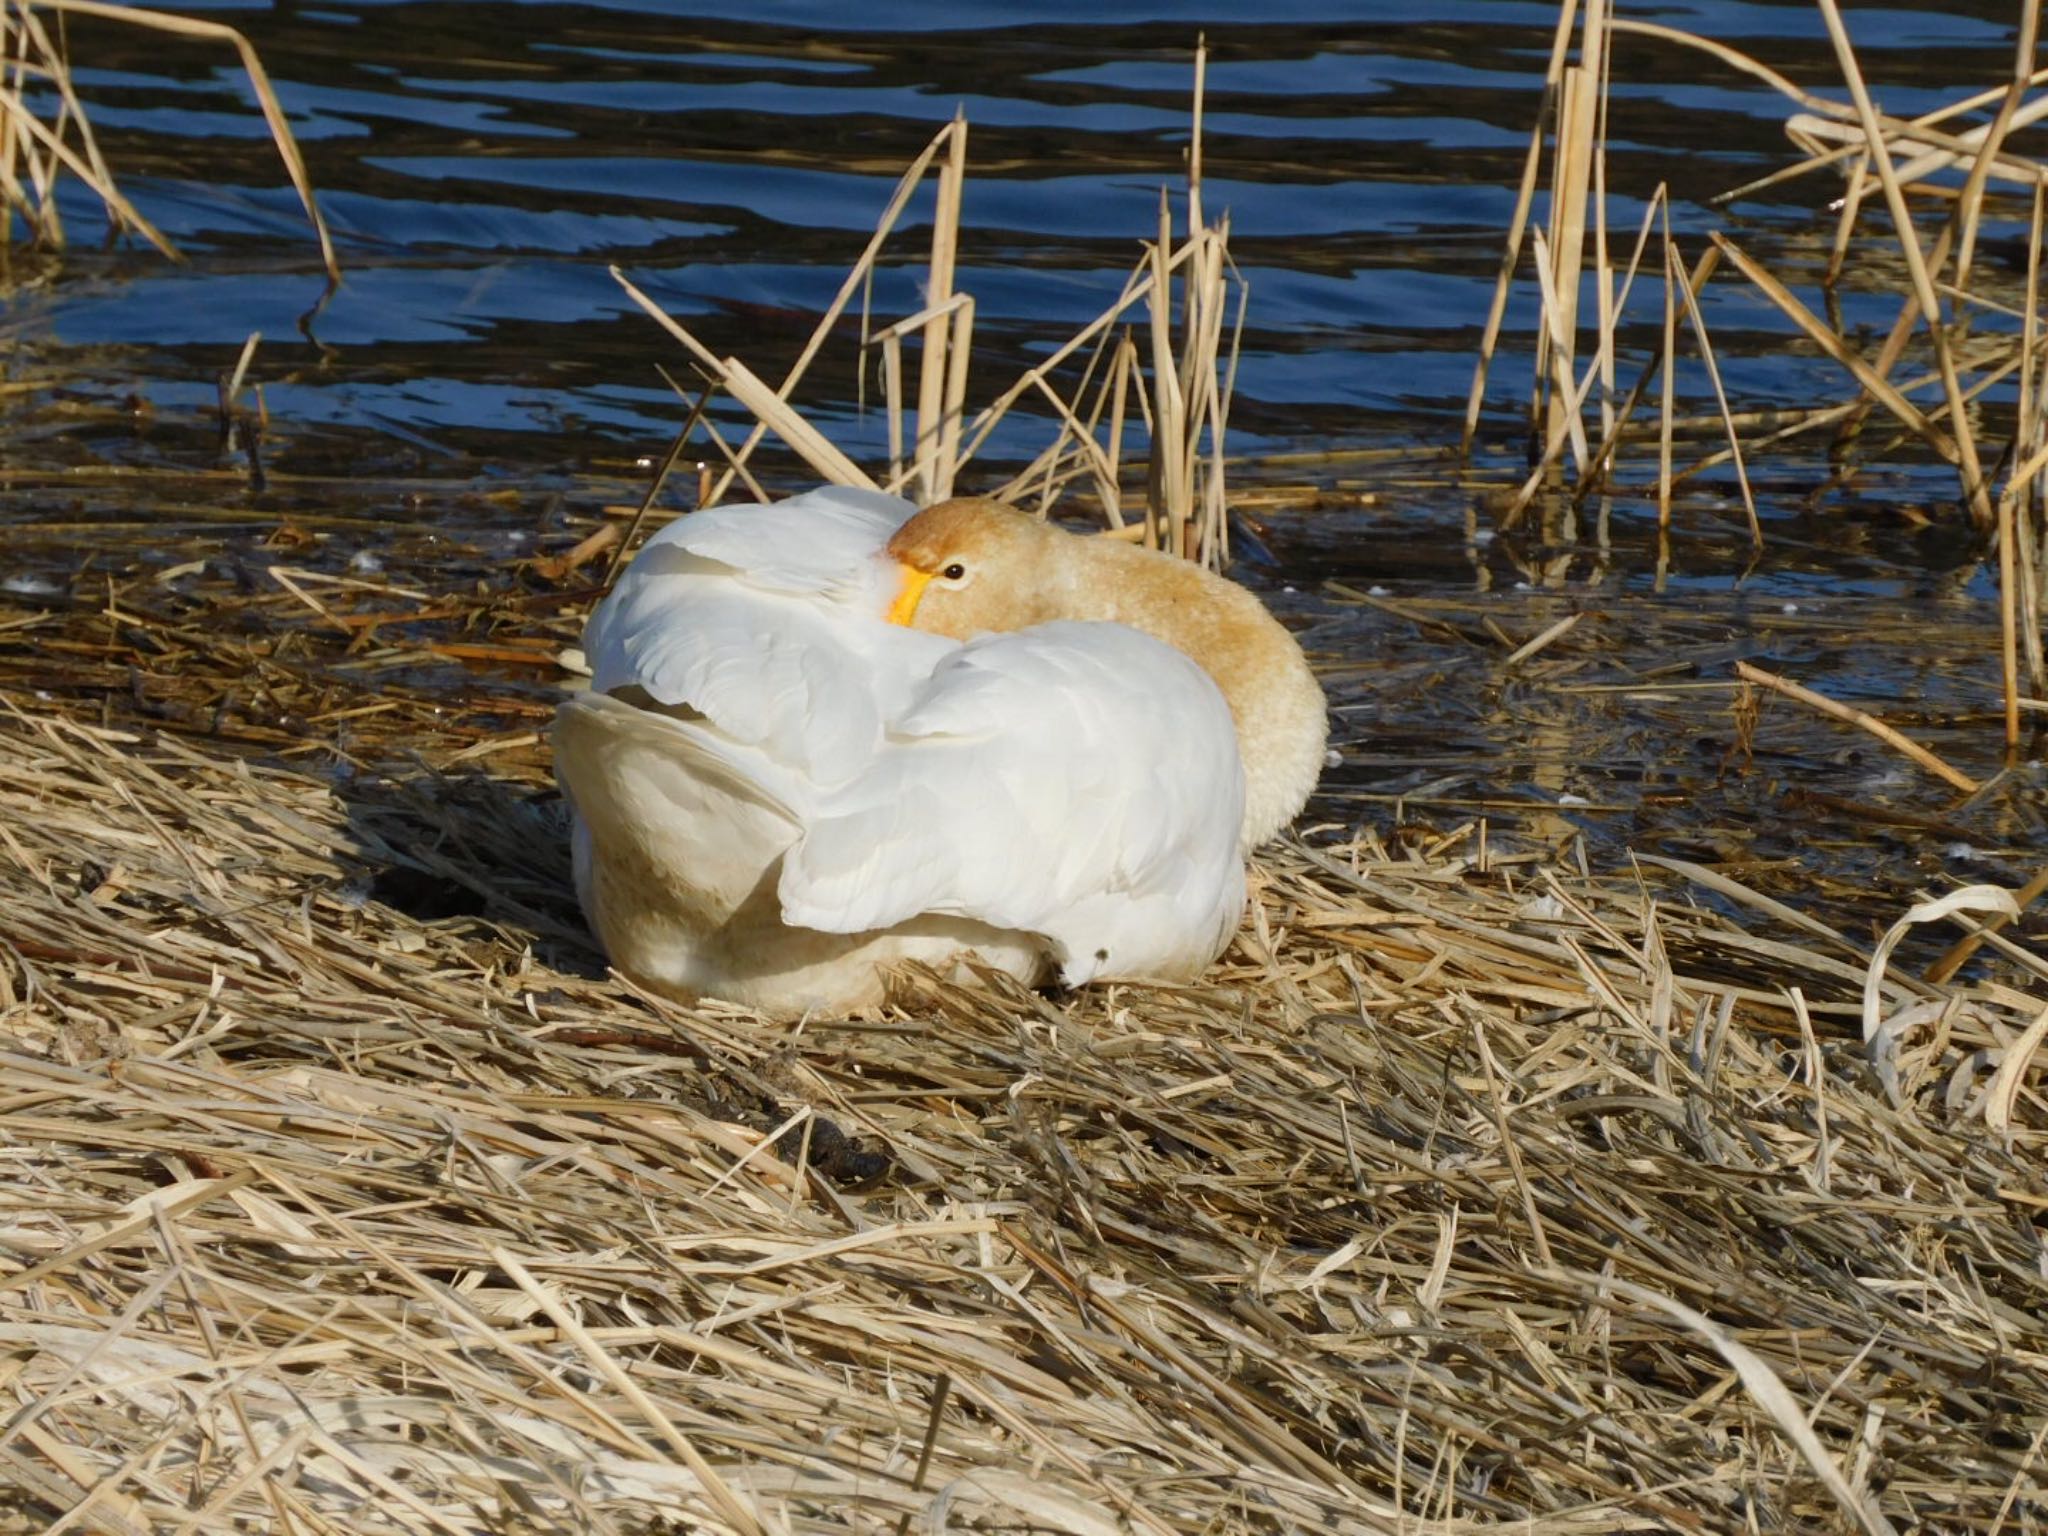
x,y
484,164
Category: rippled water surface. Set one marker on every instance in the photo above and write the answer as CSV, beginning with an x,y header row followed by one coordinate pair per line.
x,y
485,165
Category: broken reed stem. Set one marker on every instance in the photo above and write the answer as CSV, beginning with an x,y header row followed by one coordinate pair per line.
x,y
937,433
1857,717
1699,331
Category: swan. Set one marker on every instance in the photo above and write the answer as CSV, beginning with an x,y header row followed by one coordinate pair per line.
x,y
834,734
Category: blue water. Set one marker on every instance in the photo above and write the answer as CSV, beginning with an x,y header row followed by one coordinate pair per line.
x,y
482,165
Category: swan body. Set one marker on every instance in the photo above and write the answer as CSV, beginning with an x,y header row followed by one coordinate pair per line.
x,y
780,794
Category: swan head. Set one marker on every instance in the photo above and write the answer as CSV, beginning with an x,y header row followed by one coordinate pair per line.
x,y
969,566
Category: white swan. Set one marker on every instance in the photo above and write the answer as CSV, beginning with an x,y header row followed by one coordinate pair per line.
x,y
780,793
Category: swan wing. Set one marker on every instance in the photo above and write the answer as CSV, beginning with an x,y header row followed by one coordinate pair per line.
x,y
765,621
819,542
1080,781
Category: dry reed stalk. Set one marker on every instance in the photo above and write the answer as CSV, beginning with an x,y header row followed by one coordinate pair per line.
x,y
1166,500
1845,225
31,57
2032,509
1736,59
1835,133
1699,333
771,409
1566,424
2014,500
1859,718
1075,450
1869,376
892,393
1562,398
1958,954
1970,207
1674,275
1571,178
1518,223
1185,503
857,278
1598,465
629,535
1139,287
259,82
1119,398
1186,409
1975,488
1926,149
1658,365
938,422
39,57
1609,304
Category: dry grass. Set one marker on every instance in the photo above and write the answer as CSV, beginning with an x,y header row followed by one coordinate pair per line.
x,y
346,1193
1471,1189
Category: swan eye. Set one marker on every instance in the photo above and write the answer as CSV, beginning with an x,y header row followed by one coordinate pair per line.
x,y
955,572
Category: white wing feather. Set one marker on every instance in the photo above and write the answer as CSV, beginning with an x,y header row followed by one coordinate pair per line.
x,y
766,620
1079,781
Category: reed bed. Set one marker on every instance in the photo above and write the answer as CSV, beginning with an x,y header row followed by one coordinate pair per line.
x,y
1903,225
347,1192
